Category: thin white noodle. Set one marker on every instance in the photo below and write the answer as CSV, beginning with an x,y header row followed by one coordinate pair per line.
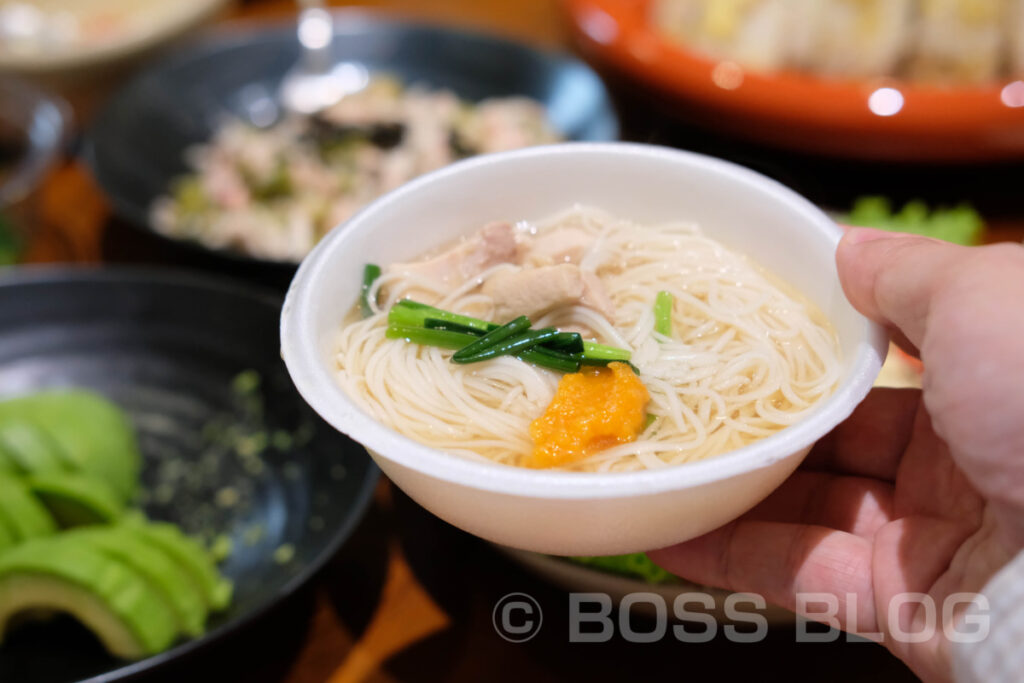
x,y
746,357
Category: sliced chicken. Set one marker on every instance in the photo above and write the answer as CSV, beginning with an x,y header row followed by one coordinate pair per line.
x,y
535,291
493,245
566,245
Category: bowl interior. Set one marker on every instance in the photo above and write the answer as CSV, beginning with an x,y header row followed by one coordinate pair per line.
x,y
744,210
238,72
138,338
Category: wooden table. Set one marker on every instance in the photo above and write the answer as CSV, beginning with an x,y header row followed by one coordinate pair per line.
x,y
410,598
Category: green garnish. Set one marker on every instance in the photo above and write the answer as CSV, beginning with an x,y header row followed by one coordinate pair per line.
x,y
10,243
569,342
428,337
371,272
663,313
553,360
275,186
511,346
492,338
960,224
190,197
414,314
435,324
593,351
649,420
637,565
409,313
246,382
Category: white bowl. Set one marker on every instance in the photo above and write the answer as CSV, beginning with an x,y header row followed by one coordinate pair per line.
x,y
568,513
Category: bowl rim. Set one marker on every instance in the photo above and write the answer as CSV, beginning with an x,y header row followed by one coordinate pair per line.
x,y
132,43
304,360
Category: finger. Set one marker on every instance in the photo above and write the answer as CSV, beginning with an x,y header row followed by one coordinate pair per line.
x,y
892,278
871,442
857,505
780,561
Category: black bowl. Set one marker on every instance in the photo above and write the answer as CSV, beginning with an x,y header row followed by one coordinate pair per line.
x,y
135,148
166,347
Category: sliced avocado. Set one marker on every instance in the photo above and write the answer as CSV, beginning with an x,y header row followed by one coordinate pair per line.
x,y
75,499
175,584
192,556
25,516
92,433
7,462
31,449
111,599
7,539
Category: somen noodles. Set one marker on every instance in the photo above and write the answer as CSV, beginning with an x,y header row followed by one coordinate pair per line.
x,y
744,356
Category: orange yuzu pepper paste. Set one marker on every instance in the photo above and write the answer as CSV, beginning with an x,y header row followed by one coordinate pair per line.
x,y
592,410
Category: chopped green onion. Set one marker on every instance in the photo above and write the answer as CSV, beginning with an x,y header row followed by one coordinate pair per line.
x,y
553,360
511,346
569,342
649,420
435,324
663,313
563,351
421,335
492,338
412,313
371,272
595,351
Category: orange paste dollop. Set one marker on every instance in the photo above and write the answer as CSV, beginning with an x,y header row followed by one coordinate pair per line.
x,y
592,410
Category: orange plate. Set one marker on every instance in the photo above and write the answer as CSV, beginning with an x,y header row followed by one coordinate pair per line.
x,y
789,109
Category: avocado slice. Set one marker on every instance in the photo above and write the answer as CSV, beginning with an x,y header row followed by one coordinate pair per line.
x,y
175,584
8,464
91,432
7,539
192,557
75,499
111,599
24,516
29,447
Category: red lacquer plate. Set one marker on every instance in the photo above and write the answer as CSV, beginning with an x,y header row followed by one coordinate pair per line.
x,y
882,119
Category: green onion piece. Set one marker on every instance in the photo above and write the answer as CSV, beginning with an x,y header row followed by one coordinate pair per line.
x,y
413,313
649,420
663,313
371,271
569,342
595,351
512,346
553,360
435,324
495,336
421,335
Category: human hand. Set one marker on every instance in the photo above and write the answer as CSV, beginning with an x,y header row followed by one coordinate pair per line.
x,y
918,491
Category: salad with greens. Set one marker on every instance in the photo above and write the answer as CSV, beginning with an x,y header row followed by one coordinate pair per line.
x,y
960,224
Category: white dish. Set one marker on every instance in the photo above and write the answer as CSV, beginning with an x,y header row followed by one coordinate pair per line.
x,y
567,513
49,37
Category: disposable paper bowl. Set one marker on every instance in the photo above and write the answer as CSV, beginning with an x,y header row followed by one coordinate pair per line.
x,y
561,512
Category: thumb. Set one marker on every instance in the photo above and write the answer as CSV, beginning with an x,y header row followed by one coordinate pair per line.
x,y
893,278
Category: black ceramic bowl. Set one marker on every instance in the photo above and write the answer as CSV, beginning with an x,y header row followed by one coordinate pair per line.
x,y
135,147
168,348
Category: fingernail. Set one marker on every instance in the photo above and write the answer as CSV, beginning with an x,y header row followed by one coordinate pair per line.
x,y
862,235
